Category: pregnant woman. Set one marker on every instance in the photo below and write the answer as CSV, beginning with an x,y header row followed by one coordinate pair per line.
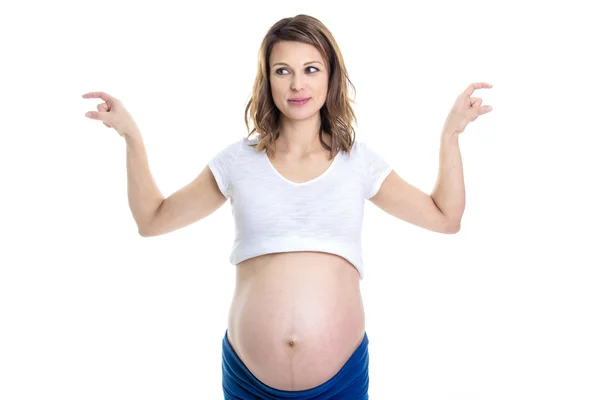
x,y
297,189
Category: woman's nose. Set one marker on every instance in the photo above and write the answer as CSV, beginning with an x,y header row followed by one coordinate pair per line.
x,y
297,82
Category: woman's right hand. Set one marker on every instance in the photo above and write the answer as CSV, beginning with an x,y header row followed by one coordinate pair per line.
x,y
113,114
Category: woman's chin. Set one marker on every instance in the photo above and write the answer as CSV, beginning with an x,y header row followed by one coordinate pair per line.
x,y
299,114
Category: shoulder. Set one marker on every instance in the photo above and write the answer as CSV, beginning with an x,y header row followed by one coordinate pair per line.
x,y
358,150
232,150
364,150
237,152
249,142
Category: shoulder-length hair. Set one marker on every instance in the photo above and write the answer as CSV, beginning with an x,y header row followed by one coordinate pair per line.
x,y
336,114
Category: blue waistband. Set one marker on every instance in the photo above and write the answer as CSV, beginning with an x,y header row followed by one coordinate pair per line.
x,y
351,382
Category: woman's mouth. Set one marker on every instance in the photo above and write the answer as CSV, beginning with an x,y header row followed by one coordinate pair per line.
x,y
298,102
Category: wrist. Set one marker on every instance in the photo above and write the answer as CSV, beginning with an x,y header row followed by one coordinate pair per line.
x,y
131,131
450,136
132,138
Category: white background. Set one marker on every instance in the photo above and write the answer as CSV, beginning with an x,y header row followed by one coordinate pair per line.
x,y
508,308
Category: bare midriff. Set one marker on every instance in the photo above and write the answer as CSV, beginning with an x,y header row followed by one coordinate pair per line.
x,y
296,317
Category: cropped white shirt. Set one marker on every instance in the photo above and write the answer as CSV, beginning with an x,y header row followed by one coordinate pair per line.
x,y
273,214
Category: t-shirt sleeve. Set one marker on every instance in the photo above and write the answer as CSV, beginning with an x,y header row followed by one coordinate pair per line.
x,y
222,166
376,169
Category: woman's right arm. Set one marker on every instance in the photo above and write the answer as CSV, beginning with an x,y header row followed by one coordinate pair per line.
x,y
156,215
153,214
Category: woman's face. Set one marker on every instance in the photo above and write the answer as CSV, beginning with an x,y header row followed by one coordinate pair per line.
x,y
297,70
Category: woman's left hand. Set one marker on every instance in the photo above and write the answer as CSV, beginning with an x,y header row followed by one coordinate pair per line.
x,y
466,109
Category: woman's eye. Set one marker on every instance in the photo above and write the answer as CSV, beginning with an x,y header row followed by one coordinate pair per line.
x,y
285,69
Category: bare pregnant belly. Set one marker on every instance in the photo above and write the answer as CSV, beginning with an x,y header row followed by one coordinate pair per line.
x,y
296,317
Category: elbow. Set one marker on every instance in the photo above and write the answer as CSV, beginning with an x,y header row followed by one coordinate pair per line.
x,y
455,229
144,230
146,226
451,227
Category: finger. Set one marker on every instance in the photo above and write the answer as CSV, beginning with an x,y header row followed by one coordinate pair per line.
x,y
96,115
471,88
484,110
101,95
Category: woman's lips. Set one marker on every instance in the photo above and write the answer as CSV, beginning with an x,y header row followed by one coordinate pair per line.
x,y
298,103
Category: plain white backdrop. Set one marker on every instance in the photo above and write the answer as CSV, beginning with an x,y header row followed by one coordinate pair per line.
x,y
505,309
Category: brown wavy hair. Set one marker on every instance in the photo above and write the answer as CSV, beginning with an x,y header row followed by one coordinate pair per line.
x,y
336,114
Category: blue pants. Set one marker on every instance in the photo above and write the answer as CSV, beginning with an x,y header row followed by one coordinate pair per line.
x,y
350,383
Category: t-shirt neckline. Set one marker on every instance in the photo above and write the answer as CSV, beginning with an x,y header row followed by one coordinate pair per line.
x,y
301,183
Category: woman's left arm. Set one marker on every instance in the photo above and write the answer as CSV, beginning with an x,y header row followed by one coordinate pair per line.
x,y
442,210
449,191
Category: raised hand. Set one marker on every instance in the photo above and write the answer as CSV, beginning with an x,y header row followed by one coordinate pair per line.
x,y
466,109
113,114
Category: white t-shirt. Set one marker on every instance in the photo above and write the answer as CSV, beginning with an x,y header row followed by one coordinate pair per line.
x,y
273,214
